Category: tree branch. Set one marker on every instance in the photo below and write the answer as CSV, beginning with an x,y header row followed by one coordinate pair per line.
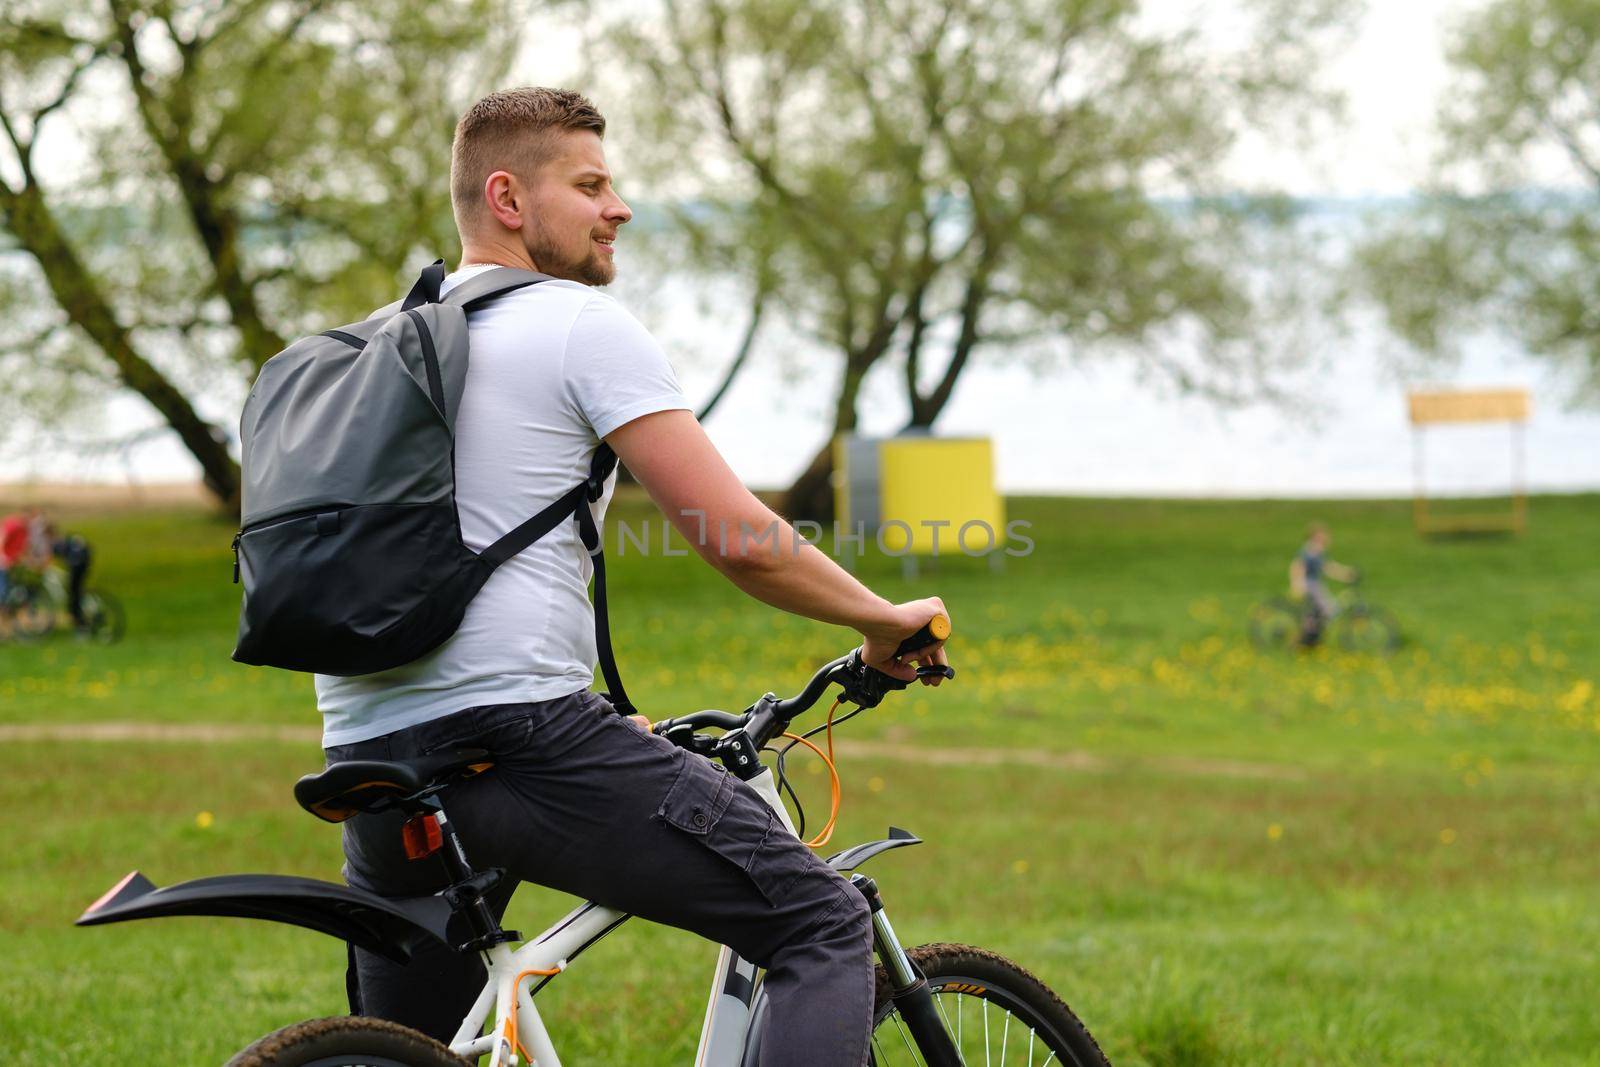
x,y
746,345
214,221
33,341
925,409
1570,142
919,326
24,151
66,89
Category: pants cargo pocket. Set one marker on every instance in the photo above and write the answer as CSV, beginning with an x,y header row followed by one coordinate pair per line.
x,y
706,803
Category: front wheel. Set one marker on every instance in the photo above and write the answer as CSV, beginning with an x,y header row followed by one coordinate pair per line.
x,y
996,1013
1365,628
346,1041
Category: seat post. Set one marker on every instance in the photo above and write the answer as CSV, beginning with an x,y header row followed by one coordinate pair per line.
x,y
453,854
467,887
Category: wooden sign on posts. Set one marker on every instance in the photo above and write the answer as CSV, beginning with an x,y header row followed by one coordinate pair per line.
x,y
1469,405
1458,406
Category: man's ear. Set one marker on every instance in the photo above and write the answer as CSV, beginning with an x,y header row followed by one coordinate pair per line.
x,y
504,195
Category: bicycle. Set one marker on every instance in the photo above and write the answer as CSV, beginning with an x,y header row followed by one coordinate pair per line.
x,y
39,601
1358,626
942,1005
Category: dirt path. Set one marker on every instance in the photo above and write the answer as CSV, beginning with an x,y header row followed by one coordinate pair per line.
x,y
1083,762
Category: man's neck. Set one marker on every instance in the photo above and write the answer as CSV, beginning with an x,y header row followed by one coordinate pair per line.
x,y
475,253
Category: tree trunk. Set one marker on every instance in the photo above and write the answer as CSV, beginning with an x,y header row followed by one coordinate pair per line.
x,y
29,218
811,495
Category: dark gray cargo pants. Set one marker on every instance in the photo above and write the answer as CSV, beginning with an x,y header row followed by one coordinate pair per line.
x,y
582,800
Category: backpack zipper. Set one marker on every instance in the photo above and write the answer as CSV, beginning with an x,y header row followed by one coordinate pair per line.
x,y
292,516
236,538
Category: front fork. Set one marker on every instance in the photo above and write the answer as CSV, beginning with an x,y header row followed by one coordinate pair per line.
x,y
912,998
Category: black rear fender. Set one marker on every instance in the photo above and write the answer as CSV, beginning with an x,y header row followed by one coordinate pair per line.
x,y
392,928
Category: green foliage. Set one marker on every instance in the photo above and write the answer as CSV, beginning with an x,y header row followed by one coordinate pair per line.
x,y
250,170
1491,248
917,182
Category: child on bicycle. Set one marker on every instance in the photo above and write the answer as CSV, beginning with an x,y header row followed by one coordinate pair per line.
x,y
1306,573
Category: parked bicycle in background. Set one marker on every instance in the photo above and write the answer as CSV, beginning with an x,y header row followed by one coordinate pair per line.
x,y
44,583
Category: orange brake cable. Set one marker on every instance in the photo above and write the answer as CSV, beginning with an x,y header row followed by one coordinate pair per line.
x,y
511,1021
826,834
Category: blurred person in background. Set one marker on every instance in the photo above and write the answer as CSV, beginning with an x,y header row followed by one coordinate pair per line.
x,y
74,555
1306,581
13,546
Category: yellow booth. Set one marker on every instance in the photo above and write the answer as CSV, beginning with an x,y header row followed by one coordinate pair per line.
x,y
920,496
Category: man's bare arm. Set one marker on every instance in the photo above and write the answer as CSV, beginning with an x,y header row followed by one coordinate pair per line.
x,y
741,537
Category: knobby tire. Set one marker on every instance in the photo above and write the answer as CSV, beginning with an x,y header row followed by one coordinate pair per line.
x,y
1003,1015
346,1041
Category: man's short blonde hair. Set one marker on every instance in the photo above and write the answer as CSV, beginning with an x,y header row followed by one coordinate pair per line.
x,y
510,130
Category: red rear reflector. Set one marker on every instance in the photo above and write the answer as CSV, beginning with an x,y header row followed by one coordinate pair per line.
x,y
422,836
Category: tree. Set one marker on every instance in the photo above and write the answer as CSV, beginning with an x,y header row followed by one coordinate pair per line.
x,y
252,170
1509,234
920,182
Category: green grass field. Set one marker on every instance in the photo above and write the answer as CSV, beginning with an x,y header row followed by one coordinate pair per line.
x,y
1216,855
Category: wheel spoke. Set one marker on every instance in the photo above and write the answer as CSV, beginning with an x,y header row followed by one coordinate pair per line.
x,y
947,1028
986,1033
905,1037
1004,1034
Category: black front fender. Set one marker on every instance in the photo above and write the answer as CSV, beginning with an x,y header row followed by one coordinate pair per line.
x,y
392,928
851,858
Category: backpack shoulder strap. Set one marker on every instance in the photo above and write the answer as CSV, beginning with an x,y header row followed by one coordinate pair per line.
x,y
564,507
490,284
575,503
426,290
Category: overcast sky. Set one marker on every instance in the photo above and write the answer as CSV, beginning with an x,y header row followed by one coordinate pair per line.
x,y
1393,79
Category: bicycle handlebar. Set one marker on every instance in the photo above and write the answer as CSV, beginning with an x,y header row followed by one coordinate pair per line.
x,y
936,629
769,716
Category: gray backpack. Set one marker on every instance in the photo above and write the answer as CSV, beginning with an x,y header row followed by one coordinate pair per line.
x,y
350,551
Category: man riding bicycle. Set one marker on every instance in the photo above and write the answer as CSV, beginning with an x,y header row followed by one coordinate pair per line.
x,y
577,791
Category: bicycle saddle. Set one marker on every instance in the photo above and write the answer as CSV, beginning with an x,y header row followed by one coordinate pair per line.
x,y
352,786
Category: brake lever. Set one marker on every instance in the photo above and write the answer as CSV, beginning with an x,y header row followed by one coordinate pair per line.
x,y
867,686
684,736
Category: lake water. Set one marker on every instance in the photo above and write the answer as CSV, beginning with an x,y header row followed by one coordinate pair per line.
x,y
1092,427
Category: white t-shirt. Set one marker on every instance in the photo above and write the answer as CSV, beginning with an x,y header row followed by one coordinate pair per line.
x,y
554,368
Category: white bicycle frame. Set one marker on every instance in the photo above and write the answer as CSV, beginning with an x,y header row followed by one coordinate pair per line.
x,y
517,1024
